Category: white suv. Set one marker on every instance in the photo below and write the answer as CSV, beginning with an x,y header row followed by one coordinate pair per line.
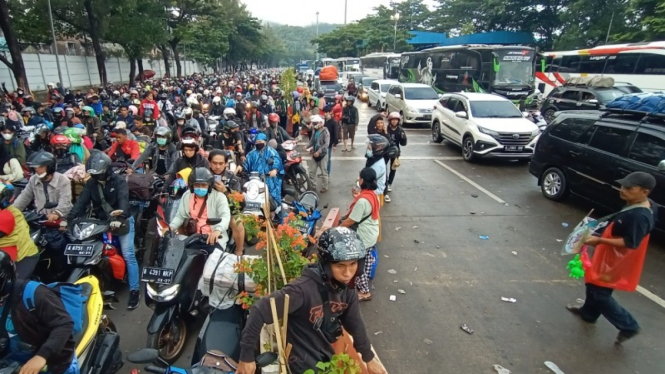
x,y
484,125
377,93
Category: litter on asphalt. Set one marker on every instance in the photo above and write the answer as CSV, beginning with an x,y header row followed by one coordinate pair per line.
x,y
392,271
484,237
397,228
500,369
393,298
564,224
552,366
514,253
466,329
427,341
414,227
401,291
508,299
378,333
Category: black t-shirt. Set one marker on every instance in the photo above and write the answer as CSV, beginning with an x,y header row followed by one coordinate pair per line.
x,y
633,225
161,162
233,140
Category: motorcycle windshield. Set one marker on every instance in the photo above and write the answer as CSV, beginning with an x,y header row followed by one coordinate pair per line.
x,y
173,250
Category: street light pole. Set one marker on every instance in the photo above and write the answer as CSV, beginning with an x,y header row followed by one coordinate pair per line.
x,y
317,36
396,18
55,46
345,4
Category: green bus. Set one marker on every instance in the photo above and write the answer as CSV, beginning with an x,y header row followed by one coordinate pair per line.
x,y
505,70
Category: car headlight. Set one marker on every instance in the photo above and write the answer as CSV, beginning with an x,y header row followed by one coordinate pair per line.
x,y
489,132
412,110
164,295
81,234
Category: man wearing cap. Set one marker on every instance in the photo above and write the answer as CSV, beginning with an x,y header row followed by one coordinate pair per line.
x,y
619,256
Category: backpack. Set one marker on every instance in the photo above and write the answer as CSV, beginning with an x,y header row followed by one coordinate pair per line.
x,y
139,186
70,295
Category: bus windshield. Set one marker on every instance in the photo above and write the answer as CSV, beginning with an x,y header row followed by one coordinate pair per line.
x,y
515,67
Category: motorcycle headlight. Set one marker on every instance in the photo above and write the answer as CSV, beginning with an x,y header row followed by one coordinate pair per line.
x,y
164,295
491,133
252,192
82,233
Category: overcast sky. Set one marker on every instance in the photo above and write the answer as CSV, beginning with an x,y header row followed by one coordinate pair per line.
x,y
303,13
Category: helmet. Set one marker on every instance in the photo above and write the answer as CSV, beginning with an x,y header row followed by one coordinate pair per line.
x,y
6,196
116,93
163,96
296,95
42,158
98,163
394,115
201,175
60,140
57,111
89,110
164,132
273,117
231,103
316,118
264,99
28,109
350,98
187,111
206,92
338,97
378,144
133,92
231,125
229,112
339,244
300,90
7,267
216,99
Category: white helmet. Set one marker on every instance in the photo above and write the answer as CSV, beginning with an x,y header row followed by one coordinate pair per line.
x,y
216,99
50,84
192,100
133,92
316,119
134,110
206,92
219,90
116,92
229,112
187,111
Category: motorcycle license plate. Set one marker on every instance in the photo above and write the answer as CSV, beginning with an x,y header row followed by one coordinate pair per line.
x,y
253,206
79,250
302,226
157,275
513,148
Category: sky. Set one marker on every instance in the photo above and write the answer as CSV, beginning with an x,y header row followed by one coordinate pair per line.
x,y
303,13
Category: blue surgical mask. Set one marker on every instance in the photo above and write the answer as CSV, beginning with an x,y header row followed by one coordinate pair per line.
x,y
368,153
161,141
201,192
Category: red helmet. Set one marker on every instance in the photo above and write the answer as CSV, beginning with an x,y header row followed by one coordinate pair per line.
x,y
338,97
300,89
60,140
273,117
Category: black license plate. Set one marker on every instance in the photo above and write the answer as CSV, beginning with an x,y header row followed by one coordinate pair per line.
x,y
80,250
513,148
427,116
157,275
253,206
302,226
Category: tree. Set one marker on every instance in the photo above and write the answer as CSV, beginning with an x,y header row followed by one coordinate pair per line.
x,y
16,65
207,40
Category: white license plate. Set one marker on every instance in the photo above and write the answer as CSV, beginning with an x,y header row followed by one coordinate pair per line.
x,y
80,250
513,148
252,206
157,275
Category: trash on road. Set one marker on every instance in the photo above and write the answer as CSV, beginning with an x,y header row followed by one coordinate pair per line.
x,y
392,271
474,196
393,298
386,256
514,253
378,333
472,212
395,281
484,237
559,240
416,269
508,299
427,341
397,228
579,301
564,224
414,227
466,329
552,366
506,204
500,369
438,247
401,291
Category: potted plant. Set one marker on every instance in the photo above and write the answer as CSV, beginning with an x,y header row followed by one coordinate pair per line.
x,y
339,364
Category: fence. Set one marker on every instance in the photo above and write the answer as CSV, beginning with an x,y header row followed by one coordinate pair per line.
x,y
81,71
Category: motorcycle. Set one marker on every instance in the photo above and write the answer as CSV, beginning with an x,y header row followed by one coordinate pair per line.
x,y
214,362
307,208
294,172
535,117
97,346
171,291
51,266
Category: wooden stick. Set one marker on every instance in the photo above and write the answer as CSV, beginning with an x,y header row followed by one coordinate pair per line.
x,y
279,258
285,319
278,333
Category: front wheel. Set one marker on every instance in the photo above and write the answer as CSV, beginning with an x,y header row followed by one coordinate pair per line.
x,y
169,340
549,115
553,184
467,149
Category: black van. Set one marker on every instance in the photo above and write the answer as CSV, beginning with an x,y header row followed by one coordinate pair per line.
x,y
586,152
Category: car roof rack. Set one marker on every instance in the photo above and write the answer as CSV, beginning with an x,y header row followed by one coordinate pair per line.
x,y
643,117
595,81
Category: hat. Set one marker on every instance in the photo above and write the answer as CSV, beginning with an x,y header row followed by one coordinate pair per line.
x,y
638,179
121,125
261,137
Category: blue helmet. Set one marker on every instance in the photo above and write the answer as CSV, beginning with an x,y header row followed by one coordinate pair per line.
x,y
230,103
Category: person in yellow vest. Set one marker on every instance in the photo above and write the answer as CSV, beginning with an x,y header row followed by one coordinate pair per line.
x,y
15,235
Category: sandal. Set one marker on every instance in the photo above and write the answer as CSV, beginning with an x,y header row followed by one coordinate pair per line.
x,y
365,297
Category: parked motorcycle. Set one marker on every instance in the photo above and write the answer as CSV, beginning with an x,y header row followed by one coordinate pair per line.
x,y
215,362
294,172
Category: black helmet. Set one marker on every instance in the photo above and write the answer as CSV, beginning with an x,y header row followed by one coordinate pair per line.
x,y
42,158
98,163
378,143
7,272
340,244
163,96
201,175
164,132
350,99
232,125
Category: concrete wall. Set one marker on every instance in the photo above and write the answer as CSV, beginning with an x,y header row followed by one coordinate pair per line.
x,y
81,71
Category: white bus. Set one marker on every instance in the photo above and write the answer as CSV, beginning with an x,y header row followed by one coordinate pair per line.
x,y
640,64
348,64
381,65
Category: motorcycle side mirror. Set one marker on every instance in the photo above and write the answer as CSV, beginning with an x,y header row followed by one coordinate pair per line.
x,y
116,213
265,359
50,205
143,356
213,221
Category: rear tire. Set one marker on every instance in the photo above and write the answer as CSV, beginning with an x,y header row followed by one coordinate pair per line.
x,y
169,350
549,115
553,184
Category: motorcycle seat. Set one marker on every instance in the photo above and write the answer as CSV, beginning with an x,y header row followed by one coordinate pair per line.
x,y
226,323
22,184
86,291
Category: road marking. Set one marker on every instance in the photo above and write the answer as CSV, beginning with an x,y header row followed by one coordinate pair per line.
x,y
651,296
469,181
404,158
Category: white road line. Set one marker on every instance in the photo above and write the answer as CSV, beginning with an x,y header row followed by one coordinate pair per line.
x,y
651,296
404,158
469,181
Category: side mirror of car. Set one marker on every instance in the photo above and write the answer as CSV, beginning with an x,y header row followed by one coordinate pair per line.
x,y
461,114
440,96
661,166
398,96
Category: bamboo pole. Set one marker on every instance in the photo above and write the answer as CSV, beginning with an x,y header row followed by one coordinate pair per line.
x,y
285,319
278,333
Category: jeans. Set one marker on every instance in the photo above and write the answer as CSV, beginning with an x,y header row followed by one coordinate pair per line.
x,y
599,301
127,249
330,152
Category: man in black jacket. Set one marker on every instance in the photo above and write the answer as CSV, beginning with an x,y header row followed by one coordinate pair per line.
x,y
371,126
107,192
350,120
397,138
333,129
48,328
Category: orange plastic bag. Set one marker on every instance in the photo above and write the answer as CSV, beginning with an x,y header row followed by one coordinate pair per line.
x,y
328,73
615,267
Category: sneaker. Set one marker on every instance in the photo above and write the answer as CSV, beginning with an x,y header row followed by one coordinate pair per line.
x,y
625,335
323,190
134,297
390,188
575,309
386,198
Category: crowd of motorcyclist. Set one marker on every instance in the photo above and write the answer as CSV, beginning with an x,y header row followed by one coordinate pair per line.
x,y
76,151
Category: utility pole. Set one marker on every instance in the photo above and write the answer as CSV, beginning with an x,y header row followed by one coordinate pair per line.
x,y
317,36
609,28
55,47
345,7
396,18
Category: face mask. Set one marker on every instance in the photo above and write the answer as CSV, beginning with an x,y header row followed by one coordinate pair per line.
x,y
260,146
41,176
201,192
368,153
161,141
8,136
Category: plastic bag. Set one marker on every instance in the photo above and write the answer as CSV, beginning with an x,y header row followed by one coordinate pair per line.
x,y
581,232
219,281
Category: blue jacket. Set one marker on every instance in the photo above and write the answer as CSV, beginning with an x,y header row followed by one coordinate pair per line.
x,y
257,161
129,120
97,107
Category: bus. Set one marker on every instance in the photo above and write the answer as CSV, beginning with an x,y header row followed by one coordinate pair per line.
x,y
380,65
348,64
640,64
504,70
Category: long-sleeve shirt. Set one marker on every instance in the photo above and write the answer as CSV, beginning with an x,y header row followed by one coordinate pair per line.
x,y
116,194
12,171
149,105
333,128
130,148
59,190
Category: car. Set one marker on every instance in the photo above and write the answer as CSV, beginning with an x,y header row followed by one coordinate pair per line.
x,y
586,152
414,102
577,98
484,125
330,89
627,88
344,77
363,87
377,93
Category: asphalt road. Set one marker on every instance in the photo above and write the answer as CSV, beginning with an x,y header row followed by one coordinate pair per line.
x,y
450,276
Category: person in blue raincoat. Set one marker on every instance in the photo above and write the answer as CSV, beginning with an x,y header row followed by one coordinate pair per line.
x,y
259,160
